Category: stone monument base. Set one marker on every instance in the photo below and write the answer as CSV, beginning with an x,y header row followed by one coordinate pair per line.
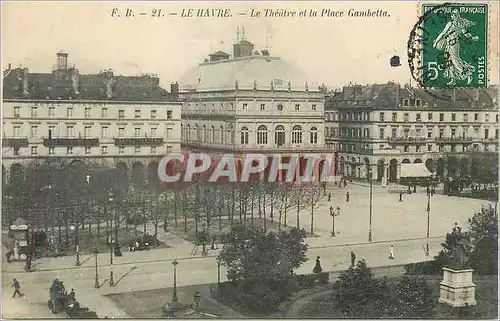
x,y
457,288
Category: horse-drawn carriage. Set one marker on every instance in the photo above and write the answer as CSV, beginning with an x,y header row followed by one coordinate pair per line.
x,y
60,301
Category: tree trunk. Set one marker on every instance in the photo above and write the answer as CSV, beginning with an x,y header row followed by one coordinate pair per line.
x,y
221,205
175,209
312,218
184,212
298,212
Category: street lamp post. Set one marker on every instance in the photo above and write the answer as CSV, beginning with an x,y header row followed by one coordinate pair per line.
x,y
96,283
203,240
428,220
111,248
174,297
219,261
77,248
371,204
333,214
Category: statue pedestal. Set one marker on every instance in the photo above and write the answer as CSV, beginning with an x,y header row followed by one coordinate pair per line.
x,y
457,288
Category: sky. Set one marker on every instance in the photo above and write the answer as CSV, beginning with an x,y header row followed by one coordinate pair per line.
x,y
333,50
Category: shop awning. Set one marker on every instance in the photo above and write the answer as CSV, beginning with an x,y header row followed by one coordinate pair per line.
x,y
415,170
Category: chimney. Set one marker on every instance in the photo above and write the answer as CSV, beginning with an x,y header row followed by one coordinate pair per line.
x,y
348,92
62,61
174,88
25,80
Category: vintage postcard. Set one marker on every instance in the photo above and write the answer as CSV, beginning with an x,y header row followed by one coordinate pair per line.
x,y
204,160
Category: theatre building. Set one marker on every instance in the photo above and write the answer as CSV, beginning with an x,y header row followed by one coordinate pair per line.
x,y
68,118
251,102
384,127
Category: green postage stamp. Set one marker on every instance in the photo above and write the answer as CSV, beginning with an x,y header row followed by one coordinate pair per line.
x,y
453,45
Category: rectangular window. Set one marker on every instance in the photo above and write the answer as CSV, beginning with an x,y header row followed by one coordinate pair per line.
x,y
69,112
476,116
70,131
417,132
17,112
441,148
169,149
137,149
153,131
441,132
137,132
441,116
406,117
87,131
121,114
87,112
453,132
418,149
394,132
486,133
313,107
476,132
104,131
429,116
137,114
297,106
406,132
33,112
418,117
51,151
34,150
87,150
121,150
121,131
169,133
69,150
466,117
34,131
406,102
262,106
17,131
429,132
429,148
169,114
153,113
496,133
394,116
104,112
418,102
52,111
104,150
496,118
406,148
381,116
453,117
245,106
153,149
52,130
487,118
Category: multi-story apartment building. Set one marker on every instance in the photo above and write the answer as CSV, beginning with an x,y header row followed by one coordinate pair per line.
x,y
389,125
126,122
251,103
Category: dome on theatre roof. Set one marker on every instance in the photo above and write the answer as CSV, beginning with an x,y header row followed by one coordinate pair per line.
x,y
246,71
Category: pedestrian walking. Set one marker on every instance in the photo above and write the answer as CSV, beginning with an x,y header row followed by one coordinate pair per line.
x,y
391,252
415,188
347,197
17,287
345,182
317,267
329,196
409,189
400,196
353,259
433,191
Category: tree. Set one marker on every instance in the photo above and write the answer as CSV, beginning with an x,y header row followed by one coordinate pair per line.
x,y
314,199
483,233
359,294
413,299
260,265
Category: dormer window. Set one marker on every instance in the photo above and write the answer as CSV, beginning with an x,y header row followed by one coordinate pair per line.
x,y
418,102
406,102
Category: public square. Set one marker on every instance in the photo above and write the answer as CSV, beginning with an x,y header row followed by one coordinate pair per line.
x,y
402,224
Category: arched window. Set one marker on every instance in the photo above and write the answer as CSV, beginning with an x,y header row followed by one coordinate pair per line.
x,y
221,135
297,134
262,135
313,135
198,132
366,133
188,134
231,134
279,135
214,138
209,136
204,138
244,136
